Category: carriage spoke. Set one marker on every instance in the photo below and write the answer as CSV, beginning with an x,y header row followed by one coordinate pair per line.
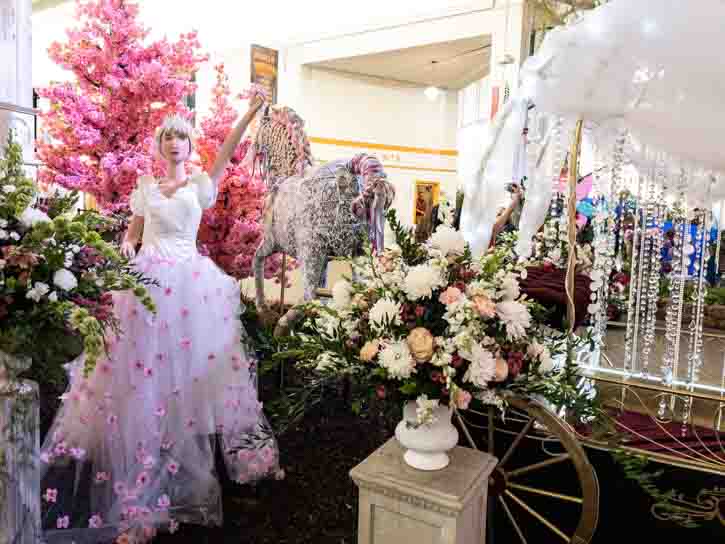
x,y
545,493
539,517
536,466
512,520
516,441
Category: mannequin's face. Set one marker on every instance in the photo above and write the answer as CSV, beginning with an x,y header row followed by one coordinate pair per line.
x,y
175,147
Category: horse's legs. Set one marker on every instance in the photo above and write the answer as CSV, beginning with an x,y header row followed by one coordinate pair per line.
x,y
313,265
265,249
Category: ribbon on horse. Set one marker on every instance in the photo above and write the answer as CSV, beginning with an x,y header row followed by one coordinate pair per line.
x,y
376,196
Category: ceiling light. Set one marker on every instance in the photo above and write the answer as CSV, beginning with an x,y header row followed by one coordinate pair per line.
x,y
432,93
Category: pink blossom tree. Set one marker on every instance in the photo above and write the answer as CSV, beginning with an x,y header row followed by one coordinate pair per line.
x,y
232,230
101,126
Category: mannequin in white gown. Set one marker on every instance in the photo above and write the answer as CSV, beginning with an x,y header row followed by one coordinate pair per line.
x,y
132,448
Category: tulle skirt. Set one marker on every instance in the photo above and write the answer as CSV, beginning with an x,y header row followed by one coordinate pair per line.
x,y
132,449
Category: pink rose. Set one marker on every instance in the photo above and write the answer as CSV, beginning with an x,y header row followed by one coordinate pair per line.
x,y
450,295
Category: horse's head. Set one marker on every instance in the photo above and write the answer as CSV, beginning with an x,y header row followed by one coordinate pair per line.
x,y
280,145
376,196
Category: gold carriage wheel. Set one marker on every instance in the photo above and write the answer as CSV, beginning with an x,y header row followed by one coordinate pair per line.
x,y
508,496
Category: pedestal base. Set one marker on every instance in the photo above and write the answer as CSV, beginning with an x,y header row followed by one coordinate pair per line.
x,y
19,475
401,504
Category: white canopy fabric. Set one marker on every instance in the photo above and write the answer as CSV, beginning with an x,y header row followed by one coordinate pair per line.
x,y
652,66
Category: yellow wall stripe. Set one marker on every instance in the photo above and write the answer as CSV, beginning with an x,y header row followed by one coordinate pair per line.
x,y
385,147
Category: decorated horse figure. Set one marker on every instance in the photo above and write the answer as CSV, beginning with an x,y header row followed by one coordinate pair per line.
x,y
313,212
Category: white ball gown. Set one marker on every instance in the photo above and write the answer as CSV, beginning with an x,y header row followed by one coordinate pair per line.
x,y
132,449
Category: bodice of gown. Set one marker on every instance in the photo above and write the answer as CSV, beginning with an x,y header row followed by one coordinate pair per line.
x,y
171,224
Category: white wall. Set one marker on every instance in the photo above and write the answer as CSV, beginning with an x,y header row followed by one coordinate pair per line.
x,y
410,129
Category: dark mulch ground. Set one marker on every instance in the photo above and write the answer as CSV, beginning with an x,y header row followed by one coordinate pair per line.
x,y
317,501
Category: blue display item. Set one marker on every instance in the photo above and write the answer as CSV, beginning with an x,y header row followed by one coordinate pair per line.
x,y
711,239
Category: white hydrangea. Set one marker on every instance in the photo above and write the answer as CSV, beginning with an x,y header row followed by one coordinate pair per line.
x,y
421,280
384,311
482,368
65,279
448,240
341,294
396,359
37,292
516,317
31,216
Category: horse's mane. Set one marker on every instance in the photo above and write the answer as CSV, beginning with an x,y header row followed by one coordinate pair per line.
x,y
282,132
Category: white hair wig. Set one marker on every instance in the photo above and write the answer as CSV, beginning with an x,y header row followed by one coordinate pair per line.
x,y
178,124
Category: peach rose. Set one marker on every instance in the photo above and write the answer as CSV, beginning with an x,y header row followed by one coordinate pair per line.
x,y
369,350
484,306
450,295
502,370
462,399
421,344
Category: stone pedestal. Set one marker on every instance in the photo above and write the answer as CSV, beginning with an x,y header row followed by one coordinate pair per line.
x,y
19,474
401,504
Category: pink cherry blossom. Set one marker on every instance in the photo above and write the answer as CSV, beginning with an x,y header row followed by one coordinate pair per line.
x,y
185,343
62,522
173,526
99,115
142,479
168,291
148,372
160,412
78,453
119,488
138,364
102,477
112,419
211,357
164,502
96,522
185,312
51,495
173,467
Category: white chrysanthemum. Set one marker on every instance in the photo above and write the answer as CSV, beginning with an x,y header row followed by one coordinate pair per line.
x,y
482,368
509,288
421,280
65,279
31,216
9,188
327,324
396,359
341,294
516,318
448,240
385,311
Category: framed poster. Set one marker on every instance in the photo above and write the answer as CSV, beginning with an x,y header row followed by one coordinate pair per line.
x,y
425,198
264,69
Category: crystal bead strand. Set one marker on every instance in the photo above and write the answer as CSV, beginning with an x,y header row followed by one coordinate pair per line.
x,y
635,274
694,360
673,317
655,261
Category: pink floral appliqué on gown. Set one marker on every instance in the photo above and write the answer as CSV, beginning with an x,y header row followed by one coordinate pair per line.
x,y
132,449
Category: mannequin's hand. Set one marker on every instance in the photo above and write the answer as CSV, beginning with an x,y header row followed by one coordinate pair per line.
x,y
256,103
128,250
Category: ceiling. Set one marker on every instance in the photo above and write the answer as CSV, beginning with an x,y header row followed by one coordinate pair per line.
x,y
448,65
